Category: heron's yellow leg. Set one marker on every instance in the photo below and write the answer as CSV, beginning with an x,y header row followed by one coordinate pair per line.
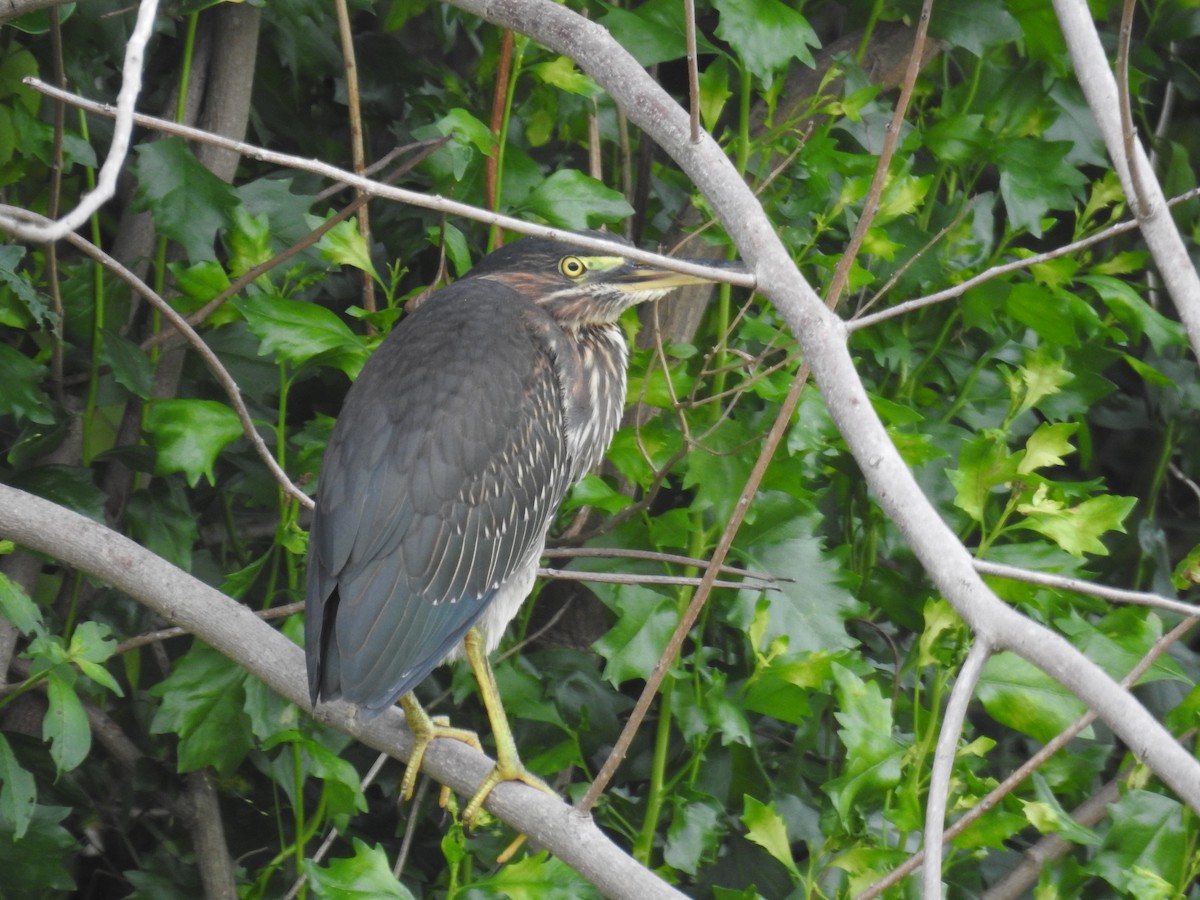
x,y
425,731
508,763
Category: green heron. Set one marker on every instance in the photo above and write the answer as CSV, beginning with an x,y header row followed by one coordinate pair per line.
x,y
449,460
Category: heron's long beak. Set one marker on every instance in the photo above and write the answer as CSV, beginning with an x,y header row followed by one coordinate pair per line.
x,y
640,278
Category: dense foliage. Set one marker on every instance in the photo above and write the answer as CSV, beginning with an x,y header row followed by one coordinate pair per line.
x,y
1047,410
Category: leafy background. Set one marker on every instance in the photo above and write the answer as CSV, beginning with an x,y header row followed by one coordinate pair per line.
x,y
1048,412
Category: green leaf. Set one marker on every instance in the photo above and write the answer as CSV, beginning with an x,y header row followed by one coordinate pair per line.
x,y
236,584
162,520
570,199
984,464
1042,309
65,724
18,608
698,823
942,626
189,435
1047,446
765,827
956,138
249,240
593,490
1023,697
344,244
1132,311
39,864
202,702
469,140
21,397
1119,640
644,622
69,486
766,35
872,762
535,878
188,202
1034,179
975,25
1047,816
562,74
296,333
1187,573
18,793
1078,529
36,303
366,874
130,366
92,644
1148,373
1144,851
199,283
1043,374
714,91
810,610
781,688
653,33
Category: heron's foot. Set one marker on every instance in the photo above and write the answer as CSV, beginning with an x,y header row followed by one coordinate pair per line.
x,y
425,731
511,769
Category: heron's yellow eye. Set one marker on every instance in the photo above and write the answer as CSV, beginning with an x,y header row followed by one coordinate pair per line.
x,y
572,266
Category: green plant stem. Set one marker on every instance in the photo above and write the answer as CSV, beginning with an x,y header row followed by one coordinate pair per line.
x,y
98,308
657,794
964,389
520,42
724,298
1146,563
872,21
298,811
910,382
987,538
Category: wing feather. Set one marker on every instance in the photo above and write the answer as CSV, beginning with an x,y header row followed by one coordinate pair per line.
x,y
442,475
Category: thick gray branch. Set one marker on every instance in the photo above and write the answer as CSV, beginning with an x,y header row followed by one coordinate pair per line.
x,y
1158,228
235,631
823,339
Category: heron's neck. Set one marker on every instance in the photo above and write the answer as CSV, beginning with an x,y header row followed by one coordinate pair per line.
x,y
598,396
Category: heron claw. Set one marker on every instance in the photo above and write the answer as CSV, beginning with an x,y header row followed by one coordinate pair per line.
x,y
505,770
425,731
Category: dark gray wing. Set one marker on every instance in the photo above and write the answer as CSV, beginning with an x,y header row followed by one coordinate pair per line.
x,y
443,472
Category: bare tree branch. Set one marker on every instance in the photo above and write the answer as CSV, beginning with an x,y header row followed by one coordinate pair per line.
x,y
823,338
106,181
943,762
1158,228
400,195
232,391
235,631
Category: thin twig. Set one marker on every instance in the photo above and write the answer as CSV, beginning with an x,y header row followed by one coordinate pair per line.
x,y
958,290
1064,583
402,195
615,758
689,19
232,391
358,155
1140,199
943,761
235,287
841,274
654,556
106,182
1027,768
621,578
1179,474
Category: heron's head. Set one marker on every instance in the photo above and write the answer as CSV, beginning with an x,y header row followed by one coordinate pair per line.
x,y
578,287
